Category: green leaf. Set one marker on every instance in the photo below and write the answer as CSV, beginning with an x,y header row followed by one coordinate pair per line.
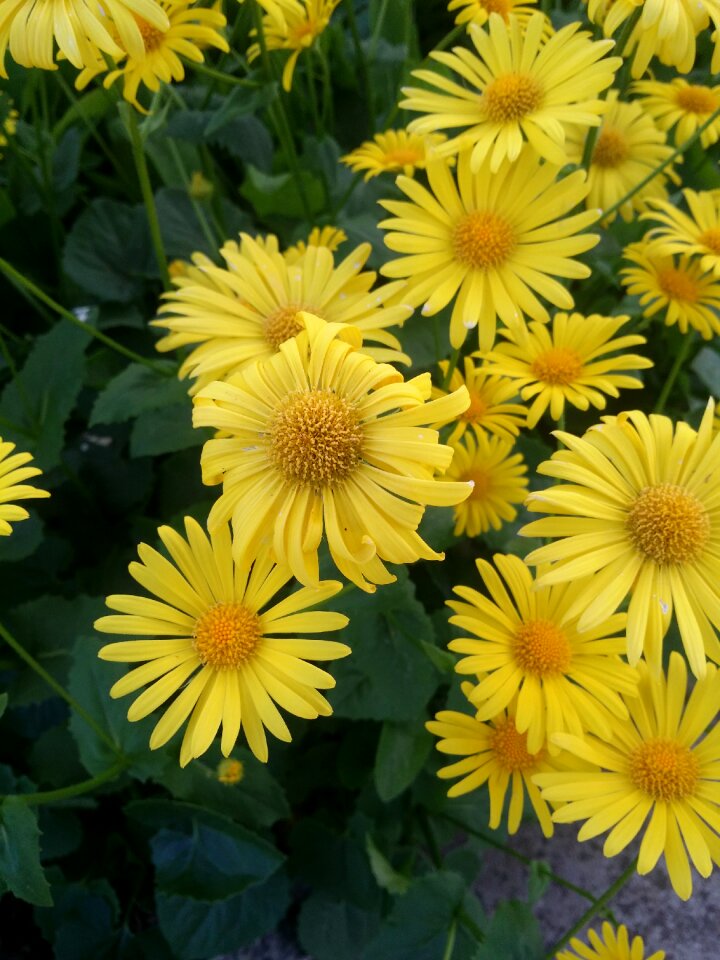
x,y
92,106
278,194
108,251
387,877
41,398
26,537
134,391
538,880
386,632
198,929
20,867
181,232
241,102
513,934
335,930
402,751
706,367
418,925
208,863
3,703
330,862
166,430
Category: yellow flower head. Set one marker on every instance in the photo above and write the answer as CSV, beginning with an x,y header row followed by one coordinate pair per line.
x,y
493,753
489,410
523,87
80,28
13,473
478,11
395,151
677,286
319,439
330,237
697,233
230,771
189,27
683,106
491,241
638,514
210,640
292,25
666,29
528,644
256,302
629,146
499,481
613,944
567,362
661,764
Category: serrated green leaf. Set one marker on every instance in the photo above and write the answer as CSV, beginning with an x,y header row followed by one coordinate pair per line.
x,y
329,929
41,398
134,391
402,750
386,631
387,877
277,194
20,867
513,934
166,430
196,929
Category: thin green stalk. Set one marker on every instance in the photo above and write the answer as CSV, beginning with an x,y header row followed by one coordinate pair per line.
x,y
131,125
219,76
59,689
512,852
430,838
454,357
450,943
313,98
375,38
24,283
680,358
349,7
355,182
74,790
56,228
328,108
592,911
678,151
213,240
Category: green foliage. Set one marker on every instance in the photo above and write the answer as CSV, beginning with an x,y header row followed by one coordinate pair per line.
x,y
401,755
20,868
512,933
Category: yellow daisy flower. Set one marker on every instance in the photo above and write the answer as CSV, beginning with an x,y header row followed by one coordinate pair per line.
x,y
697,233
12,474
478,11
496,754
80,28
528,644
257,302
394,151
682,105
322,437
292,25
499,480
678,286
629,146
638,514
567,362
610,944
663,764
224,660
490,242
523,87
488,410
666,29
159,61
328,236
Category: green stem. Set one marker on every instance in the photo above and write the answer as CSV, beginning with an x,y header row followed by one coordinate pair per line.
x,y
375,38
349,6
678,151
219,76
74,790
450,943
430,838
202,220
328,110
512,852
313,98
59,689
592,911
24,283
56,228
680,357
454,357
128,115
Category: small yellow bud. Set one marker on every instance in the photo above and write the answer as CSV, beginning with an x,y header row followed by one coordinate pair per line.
x,y
199,188
230,771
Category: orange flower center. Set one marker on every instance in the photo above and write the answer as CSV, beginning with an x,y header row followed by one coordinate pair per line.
x,y
152,37
511,97
711,239
226,635
541,648
557,366
677,285
611,148
482,480
284,324
510,747
695,99
503,7
483,240
230,771
403,157
316,438
476,410
668,524
303,33
664,769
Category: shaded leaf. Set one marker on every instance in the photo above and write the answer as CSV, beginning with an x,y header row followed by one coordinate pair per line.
x,y
134,391
402,751
20,867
